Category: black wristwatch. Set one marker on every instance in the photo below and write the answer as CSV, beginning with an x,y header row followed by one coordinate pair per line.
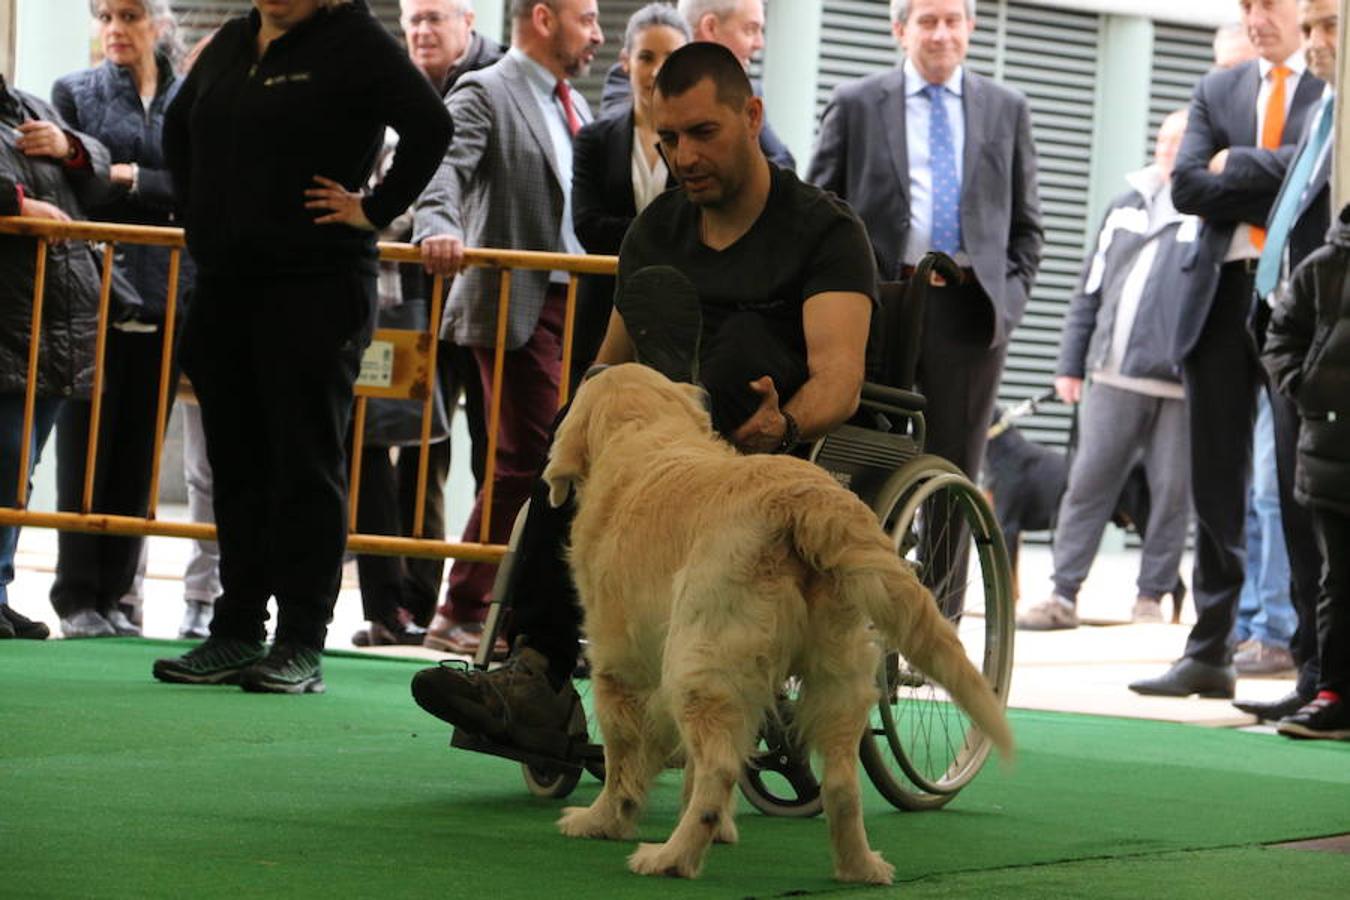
x,y
791,434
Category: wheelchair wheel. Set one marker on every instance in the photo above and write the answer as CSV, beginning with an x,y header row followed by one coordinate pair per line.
x,y
777,779
922,748
550,783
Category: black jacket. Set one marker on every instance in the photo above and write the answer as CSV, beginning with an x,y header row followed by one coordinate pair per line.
x,y
70,301
246,136
1307,353
1090,325
105,102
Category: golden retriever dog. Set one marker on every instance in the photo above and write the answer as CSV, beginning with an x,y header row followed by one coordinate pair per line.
x,y
707,579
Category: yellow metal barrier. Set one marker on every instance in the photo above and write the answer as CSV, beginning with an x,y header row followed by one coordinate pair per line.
x,y
412,376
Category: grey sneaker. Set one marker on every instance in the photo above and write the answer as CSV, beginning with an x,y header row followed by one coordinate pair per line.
x,y
513,704
86,624
287,669
1259,658
196,619
1055,614
121,623
1147,610
216,661
663,317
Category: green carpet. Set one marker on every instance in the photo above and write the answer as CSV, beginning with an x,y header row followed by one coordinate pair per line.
x,y
112,785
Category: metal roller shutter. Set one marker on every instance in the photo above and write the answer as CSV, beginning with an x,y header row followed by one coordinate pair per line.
x,y
1181,55
1051,57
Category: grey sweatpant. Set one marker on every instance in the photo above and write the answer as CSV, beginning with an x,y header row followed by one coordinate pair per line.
x,y
1117,428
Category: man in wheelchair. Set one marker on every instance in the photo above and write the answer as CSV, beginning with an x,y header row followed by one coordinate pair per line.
x,y
745,280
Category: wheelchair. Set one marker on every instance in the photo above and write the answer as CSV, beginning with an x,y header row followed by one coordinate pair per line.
x,y
920,749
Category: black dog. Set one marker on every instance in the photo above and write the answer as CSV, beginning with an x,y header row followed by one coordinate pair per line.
x,y
1028,480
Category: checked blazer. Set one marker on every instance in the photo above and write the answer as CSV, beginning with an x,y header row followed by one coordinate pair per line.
x,y
498,187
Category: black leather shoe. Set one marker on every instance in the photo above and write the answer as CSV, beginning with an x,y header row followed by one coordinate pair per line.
x,y
1189,676
1273,711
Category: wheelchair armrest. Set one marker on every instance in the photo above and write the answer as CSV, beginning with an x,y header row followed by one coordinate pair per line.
x,y
893,399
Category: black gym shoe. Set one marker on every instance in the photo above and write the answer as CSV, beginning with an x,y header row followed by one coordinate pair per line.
x,y
287,669
214,661
1326,718
513,704
20,626
662,315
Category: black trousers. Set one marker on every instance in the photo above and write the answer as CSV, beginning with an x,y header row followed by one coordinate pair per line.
x,y
94,571
542,597
958,374
273,361
1222,375
1333,609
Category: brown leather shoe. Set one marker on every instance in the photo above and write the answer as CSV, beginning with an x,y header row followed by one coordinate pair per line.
x,y
461,638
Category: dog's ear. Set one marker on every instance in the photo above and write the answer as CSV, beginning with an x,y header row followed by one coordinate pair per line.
x,y
567,458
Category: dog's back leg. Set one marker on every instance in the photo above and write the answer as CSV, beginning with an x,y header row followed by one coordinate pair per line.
x,y
635,752
837,696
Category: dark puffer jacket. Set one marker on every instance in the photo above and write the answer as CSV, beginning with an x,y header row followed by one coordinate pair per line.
x,y
70,301
105,102
1308,355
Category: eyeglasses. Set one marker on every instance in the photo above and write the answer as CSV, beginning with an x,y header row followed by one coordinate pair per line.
x,y
430,19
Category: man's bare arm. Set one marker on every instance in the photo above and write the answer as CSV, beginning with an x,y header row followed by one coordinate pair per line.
x,y
836,324
617,346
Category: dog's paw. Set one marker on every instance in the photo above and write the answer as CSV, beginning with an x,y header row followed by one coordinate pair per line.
x,y
586,822
657,859
870,868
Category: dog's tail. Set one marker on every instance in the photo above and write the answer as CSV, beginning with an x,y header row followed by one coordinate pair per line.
x,y
849,545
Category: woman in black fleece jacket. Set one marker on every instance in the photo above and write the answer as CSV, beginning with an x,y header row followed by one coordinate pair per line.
x,y
269,141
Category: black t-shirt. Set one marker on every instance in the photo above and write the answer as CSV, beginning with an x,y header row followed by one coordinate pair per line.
x,y
805,242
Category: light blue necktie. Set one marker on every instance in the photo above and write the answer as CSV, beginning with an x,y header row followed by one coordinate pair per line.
x,y
946,236
1277,235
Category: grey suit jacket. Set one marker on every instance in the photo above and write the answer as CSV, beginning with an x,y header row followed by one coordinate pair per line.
x,y
1223,116
499,186
862,155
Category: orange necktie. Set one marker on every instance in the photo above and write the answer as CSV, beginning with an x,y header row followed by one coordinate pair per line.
x,y
1272,130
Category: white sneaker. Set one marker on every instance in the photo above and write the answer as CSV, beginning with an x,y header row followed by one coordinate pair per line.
x,y
196,619
1054,614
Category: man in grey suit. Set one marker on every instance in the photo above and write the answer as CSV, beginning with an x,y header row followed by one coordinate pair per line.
x,y
889,144
506,182
1244,124
1297,226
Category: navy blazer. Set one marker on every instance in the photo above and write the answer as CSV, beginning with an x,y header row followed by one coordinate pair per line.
x,y
862,155
1223,116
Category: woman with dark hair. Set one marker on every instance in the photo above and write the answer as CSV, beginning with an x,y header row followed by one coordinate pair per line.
x,y
270,141
121,102
616,169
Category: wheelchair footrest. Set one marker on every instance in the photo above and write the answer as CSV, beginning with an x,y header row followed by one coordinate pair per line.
x,y
579,754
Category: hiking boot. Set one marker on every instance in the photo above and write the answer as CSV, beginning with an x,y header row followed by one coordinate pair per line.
x,y
1056,614
1326,718
661,312
196,619
215,661
121,623
1147,610
513,704
1259,658
287,669
86,624
20,626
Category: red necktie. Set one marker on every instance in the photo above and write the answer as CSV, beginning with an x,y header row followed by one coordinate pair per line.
x,y
563,91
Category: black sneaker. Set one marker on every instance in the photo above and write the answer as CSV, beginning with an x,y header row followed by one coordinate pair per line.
x,y
214,661
20,626
513,704
1326,718
662,315
287,669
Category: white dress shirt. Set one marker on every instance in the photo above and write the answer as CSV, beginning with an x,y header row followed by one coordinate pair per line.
x,y
648,181
1242,246
918,112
